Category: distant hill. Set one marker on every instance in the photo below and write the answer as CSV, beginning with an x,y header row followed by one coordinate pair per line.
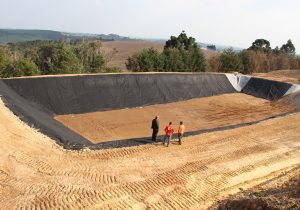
x,y
21,35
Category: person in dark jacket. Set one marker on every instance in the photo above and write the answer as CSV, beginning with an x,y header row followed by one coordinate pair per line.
x,y
155,128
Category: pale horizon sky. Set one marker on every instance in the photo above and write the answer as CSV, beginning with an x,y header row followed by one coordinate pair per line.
x,y
227,22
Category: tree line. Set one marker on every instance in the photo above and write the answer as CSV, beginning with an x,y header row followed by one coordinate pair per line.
x,y
259,57
53,57
182,53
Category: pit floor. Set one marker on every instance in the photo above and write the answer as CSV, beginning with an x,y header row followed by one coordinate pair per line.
x,y
197,114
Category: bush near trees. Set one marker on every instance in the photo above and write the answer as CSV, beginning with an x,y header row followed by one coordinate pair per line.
x,y
90,56
4,57
20,68
259,57
230,61
149,59
53,57
58,59
180,53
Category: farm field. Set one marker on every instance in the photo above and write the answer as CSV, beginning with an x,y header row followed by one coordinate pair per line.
x,y
119,51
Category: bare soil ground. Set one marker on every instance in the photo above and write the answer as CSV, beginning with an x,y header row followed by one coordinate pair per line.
x,y
197,114
282,192
118,51
292,76
37,174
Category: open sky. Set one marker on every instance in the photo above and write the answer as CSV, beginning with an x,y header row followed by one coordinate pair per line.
x,y
227,22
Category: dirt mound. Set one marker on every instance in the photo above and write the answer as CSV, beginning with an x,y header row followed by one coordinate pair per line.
x,y
282,192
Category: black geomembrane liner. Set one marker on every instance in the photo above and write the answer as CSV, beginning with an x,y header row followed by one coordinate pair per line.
x,y
91,93
267,89
36,100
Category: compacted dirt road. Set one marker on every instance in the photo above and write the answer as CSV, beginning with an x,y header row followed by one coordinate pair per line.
x,y
197,114
37,174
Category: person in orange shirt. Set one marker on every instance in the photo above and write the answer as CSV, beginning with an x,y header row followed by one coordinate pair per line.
x,y
181,132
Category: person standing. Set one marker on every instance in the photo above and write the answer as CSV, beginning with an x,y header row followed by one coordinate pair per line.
x,y
169,131
181,132
155,128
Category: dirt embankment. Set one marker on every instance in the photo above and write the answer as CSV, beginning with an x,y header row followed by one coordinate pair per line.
x,y
197,114
37,174
282,192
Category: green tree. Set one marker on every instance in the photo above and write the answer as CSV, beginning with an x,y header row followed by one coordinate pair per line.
x,y
246,62
173,60
149,59
90,55
19,68
58,58
260,45
288,48
97,64
188,54
4,56
230,61
182,42
132,63
180,54
194,60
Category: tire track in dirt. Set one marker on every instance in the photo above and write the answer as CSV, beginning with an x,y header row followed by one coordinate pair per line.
x,y
177,176
38,165
69,197
80,172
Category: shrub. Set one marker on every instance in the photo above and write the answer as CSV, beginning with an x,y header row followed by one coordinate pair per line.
x,y
230,61
173,60
20,68
58,59
148,59
215,63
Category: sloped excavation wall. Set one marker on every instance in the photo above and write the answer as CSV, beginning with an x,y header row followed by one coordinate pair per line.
x,y
37,100
82,94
